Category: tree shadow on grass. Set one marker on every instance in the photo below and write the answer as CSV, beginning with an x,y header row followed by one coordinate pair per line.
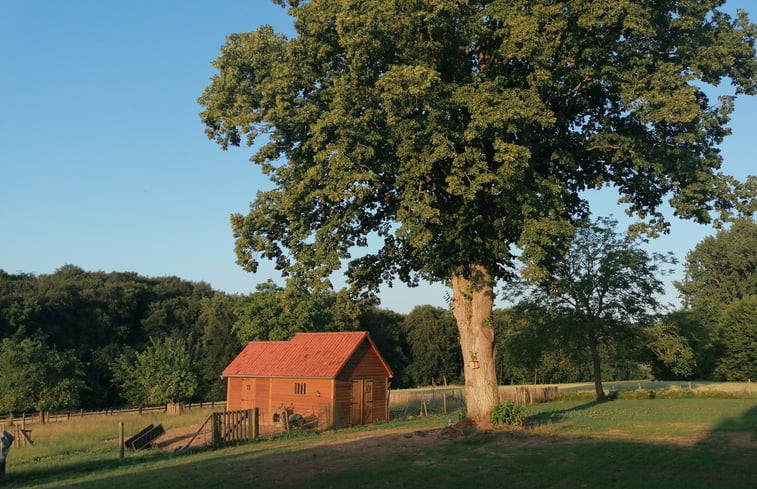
x,y
555,416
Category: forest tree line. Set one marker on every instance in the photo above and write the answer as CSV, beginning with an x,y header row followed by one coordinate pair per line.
x,y
76,338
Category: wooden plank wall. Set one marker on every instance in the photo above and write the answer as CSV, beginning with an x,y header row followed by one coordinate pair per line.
x,y
233,394
270,394
314,403
364,364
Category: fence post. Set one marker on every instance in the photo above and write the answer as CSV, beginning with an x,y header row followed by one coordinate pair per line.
x,y
121,439
254,424
216,430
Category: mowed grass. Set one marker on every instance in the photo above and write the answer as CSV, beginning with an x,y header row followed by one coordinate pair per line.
x,y
654,443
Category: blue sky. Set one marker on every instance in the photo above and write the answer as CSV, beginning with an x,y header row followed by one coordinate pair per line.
x,y
104,163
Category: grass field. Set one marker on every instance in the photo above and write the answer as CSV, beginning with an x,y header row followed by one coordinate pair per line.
x,y
650,443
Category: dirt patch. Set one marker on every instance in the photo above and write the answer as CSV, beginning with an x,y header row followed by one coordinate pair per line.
x,y
322,455
618,433
179,438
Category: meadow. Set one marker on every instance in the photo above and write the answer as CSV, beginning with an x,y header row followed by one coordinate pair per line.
x,y
637,440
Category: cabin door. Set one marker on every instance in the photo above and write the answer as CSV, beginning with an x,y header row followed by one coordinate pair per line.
x,y
361,411
248,394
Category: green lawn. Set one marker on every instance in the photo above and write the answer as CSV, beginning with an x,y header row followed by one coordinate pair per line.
x,y
655,443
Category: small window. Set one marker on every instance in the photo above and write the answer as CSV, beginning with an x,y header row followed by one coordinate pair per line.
x,y
300,388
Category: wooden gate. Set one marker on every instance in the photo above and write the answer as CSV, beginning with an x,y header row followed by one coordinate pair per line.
x,y
361,407
235,426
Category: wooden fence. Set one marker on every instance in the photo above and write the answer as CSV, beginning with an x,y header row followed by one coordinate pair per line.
x,y
529,395
81,413
235,426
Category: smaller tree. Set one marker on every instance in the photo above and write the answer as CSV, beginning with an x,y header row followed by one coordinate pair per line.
x,y
274,313
35,376
674,356
434,346
721,269
385,328
160,374
603,290
531,348
218,345
738,330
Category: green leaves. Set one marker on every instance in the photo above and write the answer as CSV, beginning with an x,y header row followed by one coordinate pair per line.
x,y
450,131
721,269
508,413
162,373
434,346
738,326
35,376
274,313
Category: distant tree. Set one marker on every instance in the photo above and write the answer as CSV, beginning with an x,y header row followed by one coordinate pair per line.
x,y
162,373
385,328
175,307
97,316
19,302
35,376
274,313
261,316
434,347
218,344
673,342
530,351
435,137
738,331
602,292
721,269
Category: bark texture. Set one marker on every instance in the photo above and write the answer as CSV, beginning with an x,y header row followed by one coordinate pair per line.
x,y
473,299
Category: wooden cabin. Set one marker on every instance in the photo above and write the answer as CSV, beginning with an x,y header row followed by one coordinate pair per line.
x,y
330,379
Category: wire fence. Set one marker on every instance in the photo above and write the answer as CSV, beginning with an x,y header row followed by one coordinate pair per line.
x,y
446,400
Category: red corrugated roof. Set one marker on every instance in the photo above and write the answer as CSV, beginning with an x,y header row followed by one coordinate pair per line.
x,y
313,355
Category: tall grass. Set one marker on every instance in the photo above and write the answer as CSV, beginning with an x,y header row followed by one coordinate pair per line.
x,y
91,439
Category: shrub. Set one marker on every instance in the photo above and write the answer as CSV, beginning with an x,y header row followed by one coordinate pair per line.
x,y
507,413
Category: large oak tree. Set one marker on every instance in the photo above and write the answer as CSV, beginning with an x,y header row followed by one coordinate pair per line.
x,y
431,138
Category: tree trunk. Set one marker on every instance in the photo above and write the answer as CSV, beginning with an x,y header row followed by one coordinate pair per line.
x,y
473,299
594,347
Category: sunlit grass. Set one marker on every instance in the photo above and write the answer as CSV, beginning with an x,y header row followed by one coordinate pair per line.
x,y
92,438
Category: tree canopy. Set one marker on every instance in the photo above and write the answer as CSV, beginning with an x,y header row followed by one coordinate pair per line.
x,y
442,133
35,376
718,289
721,269
738,332
275,313
435,350
162,373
